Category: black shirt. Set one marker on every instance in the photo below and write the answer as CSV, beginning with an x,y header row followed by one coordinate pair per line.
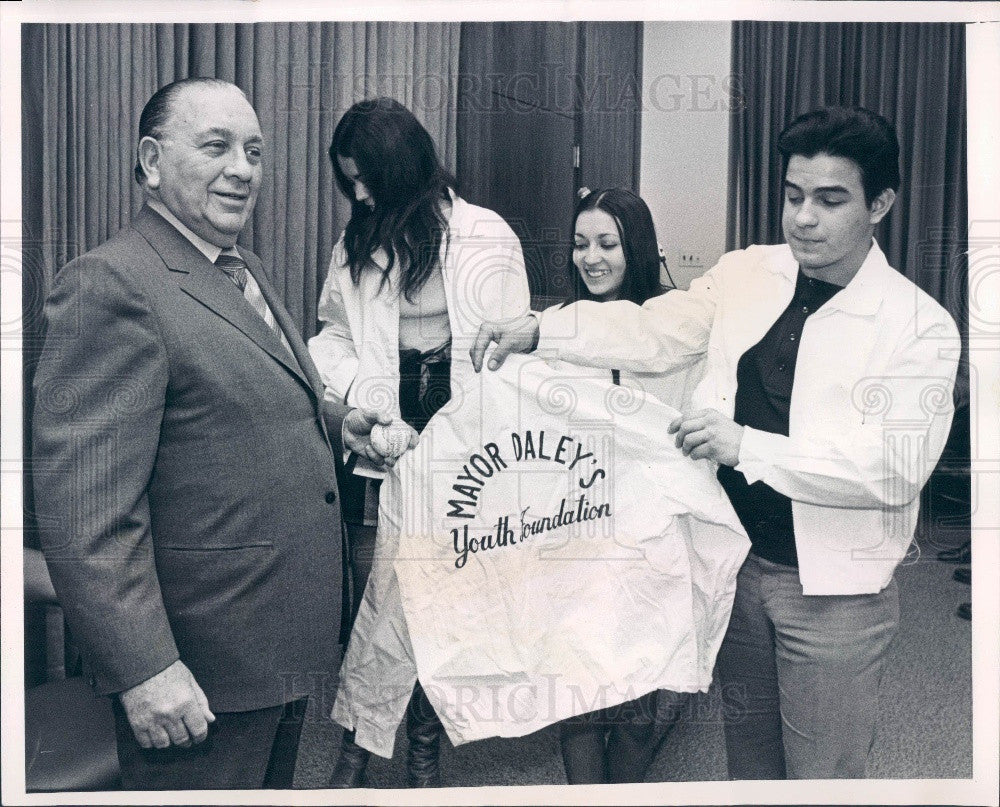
x,y
764,378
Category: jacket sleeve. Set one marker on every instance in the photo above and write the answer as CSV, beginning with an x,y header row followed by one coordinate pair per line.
x,y
100,389
511,284
334,413
490,281
900,429
667,332
332,349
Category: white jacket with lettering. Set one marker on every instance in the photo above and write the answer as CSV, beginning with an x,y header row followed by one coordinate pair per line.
x,y
871,403
512,616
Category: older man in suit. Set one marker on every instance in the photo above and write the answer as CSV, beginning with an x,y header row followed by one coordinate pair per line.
x,y
186,468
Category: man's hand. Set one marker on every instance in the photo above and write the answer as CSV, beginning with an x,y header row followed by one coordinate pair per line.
x,y
708,433
358,436
168,709
518,335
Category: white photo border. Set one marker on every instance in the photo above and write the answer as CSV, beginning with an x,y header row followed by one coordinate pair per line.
x,y
983,77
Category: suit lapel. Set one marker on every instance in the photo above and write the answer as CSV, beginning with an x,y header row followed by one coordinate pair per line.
x,y
306,367
198,278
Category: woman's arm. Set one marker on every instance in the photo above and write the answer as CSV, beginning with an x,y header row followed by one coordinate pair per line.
x,y
332,349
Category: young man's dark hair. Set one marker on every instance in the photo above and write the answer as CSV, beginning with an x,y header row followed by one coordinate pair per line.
x,y
852,132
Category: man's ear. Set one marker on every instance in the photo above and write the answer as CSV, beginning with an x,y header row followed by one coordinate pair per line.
x,y
880,205
149,159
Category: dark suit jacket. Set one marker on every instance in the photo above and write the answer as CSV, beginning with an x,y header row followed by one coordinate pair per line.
x,y
185,480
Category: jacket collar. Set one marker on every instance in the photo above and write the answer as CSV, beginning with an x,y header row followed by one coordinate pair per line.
x,y
862,296
178,251
200,279
210,251
459,209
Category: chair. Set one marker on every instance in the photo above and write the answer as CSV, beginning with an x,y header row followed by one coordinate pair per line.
x,y
69,732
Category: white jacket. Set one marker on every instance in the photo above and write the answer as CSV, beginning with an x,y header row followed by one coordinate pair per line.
x,y
871,403
357,349
556,617
672,387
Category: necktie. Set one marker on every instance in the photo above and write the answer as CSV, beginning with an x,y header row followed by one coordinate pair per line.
x,y
236,269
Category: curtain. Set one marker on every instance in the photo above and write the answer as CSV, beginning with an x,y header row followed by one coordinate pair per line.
x,y
79,138
557,102
914,75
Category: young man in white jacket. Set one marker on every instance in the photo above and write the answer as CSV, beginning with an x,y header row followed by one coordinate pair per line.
x,y
826,403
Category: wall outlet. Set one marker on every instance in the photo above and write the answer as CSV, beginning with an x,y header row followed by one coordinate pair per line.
x,y
688,259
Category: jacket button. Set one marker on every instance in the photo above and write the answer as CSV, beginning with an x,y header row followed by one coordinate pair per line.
x,y
330,497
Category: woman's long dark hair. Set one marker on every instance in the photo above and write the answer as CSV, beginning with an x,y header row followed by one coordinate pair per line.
x,y
638,240
399,166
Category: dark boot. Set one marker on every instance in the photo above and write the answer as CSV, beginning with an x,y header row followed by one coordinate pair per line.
x,y
582,746
423,729
350,768
633,740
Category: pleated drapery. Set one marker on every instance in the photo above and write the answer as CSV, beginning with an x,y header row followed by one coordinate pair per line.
x,y
84,86
913,74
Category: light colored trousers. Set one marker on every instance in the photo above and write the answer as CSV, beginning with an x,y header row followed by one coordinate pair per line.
x,y
800,676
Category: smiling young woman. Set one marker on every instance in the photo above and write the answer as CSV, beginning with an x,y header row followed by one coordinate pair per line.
x,y
617,257
614,248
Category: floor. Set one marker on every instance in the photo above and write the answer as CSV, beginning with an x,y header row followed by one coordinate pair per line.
x,y
924,728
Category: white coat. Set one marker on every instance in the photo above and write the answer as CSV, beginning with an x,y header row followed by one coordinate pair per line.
x,y
357,349
871,403
673,387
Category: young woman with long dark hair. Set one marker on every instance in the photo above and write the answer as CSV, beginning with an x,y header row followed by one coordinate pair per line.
x,y
414,274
